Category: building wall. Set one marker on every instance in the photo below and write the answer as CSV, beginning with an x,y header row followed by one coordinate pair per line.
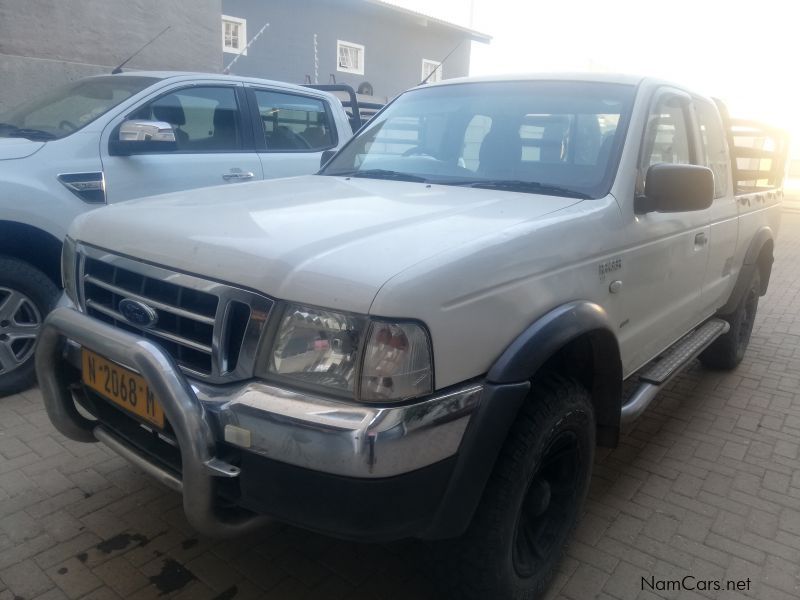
x,y
395,44
44,43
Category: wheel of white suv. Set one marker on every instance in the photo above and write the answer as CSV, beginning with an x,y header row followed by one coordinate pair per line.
x,y
26,296
727,351
532,500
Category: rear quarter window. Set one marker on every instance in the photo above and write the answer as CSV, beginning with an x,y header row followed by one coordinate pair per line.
x,y
715,150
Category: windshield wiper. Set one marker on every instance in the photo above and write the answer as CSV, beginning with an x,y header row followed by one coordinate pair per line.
x,y
382,174
519,185
32,134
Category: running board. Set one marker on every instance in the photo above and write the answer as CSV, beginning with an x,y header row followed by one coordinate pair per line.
x,y
652,377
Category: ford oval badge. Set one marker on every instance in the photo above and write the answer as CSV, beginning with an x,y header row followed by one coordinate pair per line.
x,y
137,313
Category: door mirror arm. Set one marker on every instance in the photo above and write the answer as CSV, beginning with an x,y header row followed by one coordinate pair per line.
x,y
642,204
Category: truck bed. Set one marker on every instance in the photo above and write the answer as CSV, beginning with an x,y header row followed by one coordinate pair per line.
x,y
759,156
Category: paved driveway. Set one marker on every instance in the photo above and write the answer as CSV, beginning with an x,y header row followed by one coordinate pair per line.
x,y
706,487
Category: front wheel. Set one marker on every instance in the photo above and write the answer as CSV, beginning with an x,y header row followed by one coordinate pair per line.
x,y
531,502
26,297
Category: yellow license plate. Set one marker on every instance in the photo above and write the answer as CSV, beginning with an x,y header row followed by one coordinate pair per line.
x,y
122,387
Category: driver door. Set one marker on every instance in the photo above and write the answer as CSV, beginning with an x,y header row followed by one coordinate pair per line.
x,y
666,259
213,137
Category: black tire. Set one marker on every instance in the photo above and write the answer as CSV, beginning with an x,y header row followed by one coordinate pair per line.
x,y
538,487
26,297
727,351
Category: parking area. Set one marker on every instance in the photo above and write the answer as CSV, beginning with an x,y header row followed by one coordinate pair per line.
x,y
706,485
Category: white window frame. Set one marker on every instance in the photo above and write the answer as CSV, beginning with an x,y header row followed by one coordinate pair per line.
x,y
432,63
242,23
359,48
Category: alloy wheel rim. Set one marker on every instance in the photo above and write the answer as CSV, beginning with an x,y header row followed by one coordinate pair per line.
x,y
545,517
20,323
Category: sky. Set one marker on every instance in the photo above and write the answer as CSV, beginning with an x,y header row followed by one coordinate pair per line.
x,y
745,53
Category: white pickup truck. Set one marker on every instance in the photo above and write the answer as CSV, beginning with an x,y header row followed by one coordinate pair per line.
x,y
429,337
111,138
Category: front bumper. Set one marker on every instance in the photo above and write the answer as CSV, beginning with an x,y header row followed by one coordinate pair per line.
x,y
369,472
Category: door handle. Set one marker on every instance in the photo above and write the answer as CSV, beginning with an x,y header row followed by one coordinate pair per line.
x,y
700,239
238,175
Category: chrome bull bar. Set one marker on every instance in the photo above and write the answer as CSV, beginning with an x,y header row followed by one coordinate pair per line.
x,y
185,413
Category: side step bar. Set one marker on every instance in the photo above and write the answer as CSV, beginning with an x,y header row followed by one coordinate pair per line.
x,y
658,372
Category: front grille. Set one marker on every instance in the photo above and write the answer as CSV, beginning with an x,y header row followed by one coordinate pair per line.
x,y
210,329
186,317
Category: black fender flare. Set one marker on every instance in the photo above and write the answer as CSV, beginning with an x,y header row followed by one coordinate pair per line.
x,y
761,238
507,387
523,358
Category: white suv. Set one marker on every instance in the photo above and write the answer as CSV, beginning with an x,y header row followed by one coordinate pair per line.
x,y
111,138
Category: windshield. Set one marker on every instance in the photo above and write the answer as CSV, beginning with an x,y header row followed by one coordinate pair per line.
x,y
70,107
551,137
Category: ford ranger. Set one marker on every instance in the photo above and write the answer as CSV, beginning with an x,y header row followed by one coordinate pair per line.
x,y
429,337
111,138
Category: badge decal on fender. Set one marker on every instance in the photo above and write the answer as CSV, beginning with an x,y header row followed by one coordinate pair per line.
x,y
609,266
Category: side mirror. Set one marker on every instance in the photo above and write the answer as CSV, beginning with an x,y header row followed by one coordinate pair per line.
x,y
138,136
676,188
326,156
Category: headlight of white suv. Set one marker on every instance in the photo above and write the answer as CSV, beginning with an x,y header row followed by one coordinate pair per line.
x,y
69,260
369,360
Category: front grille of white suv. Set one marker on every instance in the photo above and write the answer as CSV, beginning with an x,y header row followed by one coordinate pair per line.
x,y
212,330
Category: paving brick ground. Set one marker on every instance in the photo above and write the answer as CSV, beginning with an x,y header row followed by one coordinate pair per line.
x,y
707,484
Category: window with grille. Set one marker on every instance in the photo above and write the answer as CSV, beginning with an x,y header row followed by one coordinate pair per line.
x,y
351,57
294,122
234,35
431,66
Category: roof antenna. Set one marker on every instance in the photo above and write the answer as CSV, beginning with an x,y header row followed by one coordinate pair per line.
x,y
439,66
227,70
125,62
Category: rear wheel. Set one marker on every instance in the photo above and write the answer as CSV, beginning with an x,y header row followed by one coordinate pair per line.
x,y
531,502
26,297
727,351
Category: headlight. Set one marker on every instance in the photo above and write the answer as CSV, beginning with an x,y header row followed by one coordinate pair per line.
x,y
318,347
372,361
397,362
68,269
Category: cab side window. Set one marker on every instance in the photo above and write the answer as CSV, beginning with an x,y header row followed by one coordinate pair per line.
x,y
667,134
293,122
205,119
715,149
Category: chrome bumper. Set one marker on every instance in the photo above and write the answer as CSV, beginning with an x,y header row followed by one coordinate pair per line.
x,y
295,428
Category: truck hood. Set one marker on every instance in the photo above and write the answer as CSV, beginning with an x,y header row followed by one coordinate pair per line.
x,y
11,148
325,241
